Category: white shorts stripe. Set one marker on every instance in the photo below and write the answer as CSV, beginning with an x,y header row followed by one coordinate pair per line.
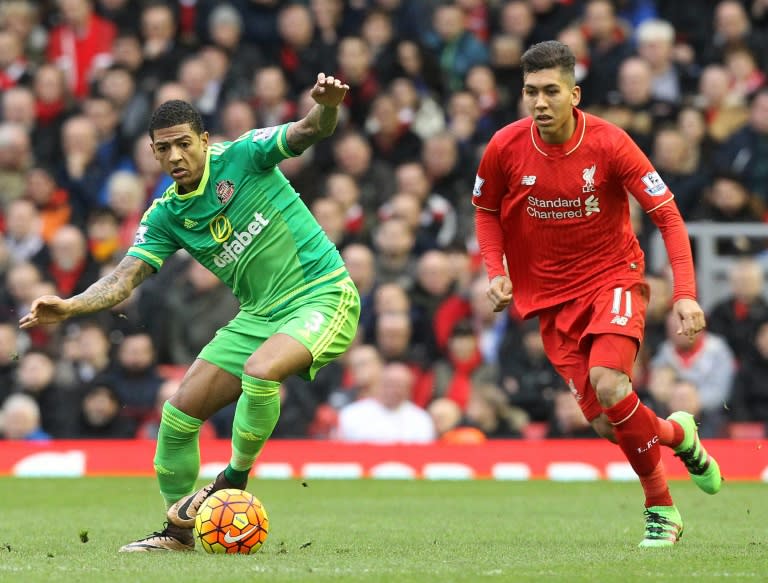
x,y
628,301
616,300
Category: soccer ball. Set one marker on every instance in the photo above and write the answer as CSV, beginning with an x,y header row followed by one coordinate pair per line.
x,y
232,521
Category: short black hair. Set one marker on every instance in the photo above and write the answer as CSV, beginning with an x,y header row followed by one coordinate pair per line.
x,y
550,54
173,113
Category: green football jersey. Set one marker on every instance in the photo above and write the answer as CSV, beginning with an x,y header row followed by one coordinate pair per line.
x,y
245,223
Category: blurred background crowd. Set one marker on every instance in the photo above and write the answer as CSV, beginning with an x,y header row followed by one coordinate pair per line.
x,y
430,82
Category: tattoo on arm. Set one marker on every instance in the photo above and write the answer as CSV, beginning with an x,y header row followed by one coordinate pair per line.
x,y
112,289
319,123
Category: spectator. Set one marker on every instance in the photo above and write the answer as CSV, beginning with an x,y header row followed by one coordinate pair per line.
x,y
729,201
749,399
20,420
453,375
71,267
225,30
21,280
198,304
723,109
672,158
15,159
352,155
99,416
356,70
707,362
655,44
51,201
343,189
746,76
391,139
458,49
528,379
608,48
14,67
364,366
693,125
86,352
81,172
10,347
53,103
134,375
420,66
732,28
393,243
387,416
161,50
35,377
633,107
488,411
567,419
378,32
741,152
736,318
271,102
81,44
125,198
24,237
237,117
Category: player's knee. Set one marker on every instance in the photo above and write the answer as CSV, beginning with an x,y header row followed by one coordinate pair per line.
x,y
603,428
262,369
611,386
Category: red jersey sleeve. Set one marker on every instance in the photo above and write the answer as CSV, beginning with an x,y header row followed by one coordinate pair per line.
x,y
640,178
490,182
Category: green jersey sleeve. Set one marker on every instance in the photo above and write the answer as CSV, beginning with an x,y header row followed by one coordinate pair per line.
x,y
153,242
267,147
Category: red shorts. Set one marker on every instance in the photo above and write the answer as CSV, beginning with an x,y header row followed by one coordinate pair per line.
x,y
616,316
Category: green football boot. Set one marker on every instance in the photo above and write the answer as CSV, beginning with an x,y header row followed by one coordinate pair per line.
x,y
663,527
701,466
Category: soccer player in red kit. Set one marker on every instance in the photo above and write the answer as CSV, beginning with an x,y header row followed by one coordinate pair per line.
x,y
551,197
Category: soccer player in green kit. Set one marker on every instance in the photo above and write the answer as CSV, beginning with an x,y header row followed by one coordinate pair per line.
x,y
235,213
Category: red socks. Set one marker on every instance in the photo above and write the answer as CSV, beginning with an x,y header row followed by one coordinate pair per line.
x,y
637,431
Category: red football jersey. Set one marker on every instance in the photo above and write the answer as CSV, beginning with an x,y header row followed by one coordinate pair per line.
x,y
564,210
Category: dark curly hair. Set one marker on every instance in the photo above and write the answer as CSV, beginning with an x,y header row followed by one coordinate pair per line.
x,y
550,54
173,113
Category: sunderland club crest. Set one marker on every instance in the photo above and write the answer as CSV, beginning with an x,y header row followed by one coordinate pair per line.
x,y
224,190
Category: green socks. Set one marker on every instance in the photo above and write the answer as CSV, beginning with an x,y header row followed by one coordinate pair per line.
x,y
177,458
255,417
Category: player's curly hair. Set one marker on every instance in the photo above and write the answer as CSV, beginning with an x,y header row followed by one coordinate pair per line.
x,y
550,54
175,112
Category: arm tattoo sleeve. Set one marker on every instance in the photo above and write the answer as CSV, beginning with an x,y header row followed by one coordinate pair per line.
x,y
112,289
318,124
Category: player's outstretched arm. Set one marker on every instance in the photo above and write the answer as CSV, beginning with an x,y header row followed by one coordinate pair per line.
x,y
321,120
109,291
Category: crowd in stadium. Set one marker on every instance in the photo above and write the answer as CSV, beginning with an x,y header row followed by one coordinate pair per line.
x,y
430,82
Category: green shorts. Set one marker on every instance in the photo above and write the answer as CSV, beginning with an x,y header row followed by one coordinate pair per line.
x,y
324,320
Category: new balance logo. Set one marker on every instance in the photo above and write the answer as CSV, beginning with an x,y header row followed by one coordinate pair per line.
x,y
189,223
620,320
528,180
591,205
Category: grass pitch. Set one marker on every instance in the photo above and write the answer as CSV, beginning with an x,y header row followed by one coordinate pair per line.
x,y
389,531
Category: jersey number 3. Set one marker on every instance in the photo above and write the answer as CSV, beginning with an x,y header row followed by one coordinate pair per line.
x,y
314,322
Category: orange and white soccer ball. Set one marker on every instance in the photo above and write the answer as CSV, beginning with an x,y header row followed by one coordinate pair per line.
x,y
231,521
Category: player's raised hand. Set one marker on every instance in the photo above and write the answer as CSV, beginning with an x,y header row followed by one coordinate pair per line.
x,y
500,292
329,91
690,317
46,310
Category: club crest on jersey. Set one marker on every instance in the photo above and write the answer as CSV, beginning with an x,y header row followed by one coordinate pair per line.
x,y
654,185
224,190
588,175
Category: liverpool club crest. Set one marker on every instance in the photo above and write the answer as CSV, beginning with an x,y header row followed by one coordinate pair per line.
x,y
224,190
